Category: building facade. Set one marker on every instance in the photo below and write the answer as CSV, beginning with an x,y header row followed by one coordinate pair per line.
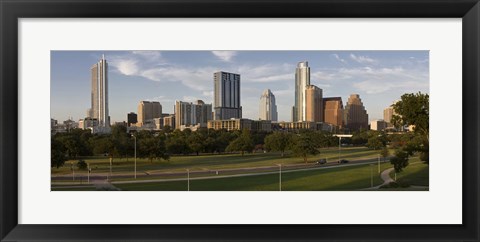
x,y
313,104
355,115
268,106
99,94
379,125
240,124
131,119
302,80
192,114
169,121
147,111
295,126
226,101
333,111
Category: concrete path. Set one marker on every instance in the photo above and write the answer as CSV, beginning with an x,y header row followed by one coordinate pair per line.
x,y
104,186
385,175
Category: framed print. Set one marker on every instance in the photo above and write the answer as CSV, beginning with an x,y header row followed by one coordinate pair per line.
x,y
228,120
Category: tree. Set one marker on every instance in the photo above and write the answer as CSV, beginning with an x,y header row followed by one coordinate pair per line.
x,y
400,160
384,153
57,151
413,109
243,143
82,165
196,142
177,143
151,147
278,141
304,144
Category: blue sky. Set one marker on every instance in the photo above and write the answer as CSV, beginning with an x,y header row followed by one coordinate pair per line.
x,y
379,77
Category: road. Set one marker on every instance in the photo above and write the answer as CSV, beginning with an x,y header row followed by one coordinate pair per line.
x,y
161,176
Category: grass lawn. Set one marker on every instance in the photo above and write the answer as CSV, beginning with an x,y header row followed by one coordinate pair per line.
x,y
416,174
336,179
73,188
212,162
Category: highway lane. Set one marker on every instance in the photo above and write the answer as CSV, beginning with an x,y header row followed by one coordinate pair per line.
x,y
160,176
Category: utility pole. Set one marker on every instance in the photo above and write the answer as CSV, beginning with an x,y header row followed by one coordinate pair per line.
x,y
188,180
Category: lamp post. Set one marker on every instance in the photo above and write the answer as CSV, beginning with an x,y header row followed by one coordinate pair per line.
x,y
339,147
371,175
73,170
379,164
88,173
135,155
188,180
280,177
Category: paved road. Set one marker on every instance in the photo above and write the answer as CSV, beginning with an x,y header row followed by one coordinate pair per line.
x,y
157,176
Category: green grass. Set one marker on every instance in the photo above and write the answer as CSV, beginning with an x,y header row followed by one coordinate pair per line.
x,y
416,174
73,188
336,179
212,162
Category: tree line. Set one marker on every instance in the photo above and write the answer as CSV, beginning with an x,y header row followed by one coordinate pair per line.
x,y
412,109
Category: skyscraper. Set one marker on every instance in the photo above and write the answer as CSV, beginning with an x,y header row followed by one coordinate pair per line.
x,y
268,106
355,116
99,95
226,95
333,111
302,80
131,118
313,104
190,114
147,111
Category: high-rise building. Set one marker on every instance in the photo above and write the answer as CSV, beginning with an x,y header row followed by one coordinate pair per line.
x,y
191,114
169,121
388,114
99,95
355,117
131,119
333,111
313,104
226,100
302,80
378,125
147,111
268,106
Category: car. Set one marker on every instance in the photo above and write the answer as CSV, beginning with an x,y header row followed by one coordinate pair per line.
x,y
322,161
343,161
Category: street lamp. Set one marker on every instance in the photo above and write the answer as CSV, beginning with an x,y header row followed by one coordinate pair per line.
x,y
280,177
73,170
379,164
88,173
135,154
371,175
339,147
188,180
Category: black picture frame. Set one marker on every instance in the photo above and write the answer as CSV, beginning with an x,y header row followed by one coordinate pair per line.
x,y
12,10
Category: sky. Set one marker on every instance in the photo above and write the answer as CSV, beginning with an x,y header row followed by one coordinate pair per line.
x,y
379,77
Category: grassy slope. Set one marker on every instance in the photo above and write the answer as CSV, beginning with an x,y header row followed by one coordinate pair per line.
x,y
213,162
347,178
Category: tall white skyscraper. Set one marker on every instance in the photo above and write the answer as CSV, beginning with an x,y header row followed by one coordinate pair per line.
x,y
226,101
302,80
268,106
99,96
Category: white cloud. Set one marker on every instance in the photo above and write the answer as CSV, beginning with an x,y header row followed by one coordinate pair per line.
x,y
337,57
362,59
125,66
224,55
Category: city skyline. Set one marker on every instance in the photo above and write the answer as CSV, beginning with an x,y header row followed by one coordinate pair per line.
x,y
380,77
